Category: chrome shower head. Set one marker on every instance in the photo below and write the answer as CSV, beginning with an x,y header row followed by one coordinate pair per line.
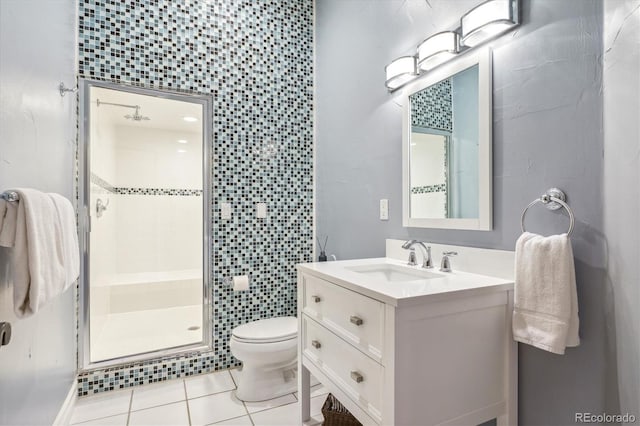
x,y
137,116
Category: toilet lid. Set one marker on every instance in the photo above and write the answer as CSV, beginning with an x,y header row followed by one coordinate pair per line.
x,y
268,330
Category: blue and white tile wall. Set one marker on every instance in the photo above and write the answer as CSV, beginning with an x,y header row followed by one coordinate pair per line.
x,y
256,59
431,107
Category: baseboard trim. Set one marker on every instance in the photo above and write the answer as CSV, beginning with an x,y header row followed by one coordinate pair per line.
x,y
66,410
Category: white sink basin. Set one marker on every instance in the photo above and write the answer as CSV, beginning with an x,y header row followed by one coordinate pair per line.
x,y
387,272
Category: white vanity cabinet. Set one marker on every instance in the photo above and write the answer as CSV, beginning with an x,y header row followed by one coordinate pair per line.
x,y
413,354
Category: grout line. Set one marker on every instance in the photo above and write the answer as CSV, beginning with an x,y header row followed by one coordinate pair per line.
x,y
186,400
232,379
221,422
130,405
90,421
209,394
295,401
243,403
246,409
251,420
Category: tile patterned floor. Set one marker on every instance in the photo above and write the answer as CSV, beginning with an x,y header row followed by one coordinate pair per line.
x,y
201,400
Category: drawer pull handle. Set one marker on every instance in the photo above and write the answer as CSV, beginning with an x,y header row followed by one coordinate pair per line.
x,y
316,299
357,377
316,344
356,320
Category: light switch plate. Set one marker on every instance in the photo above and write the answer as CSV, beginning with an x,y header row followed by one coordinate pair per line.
x,y
261,210
384,209
225,210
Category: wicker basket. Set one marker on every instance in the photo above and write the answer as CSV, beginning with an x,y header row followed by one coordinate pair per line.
x,y
335,414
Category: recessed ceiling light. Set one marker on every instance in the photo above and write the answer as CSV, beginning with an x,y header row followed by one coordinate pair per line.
x,y
182,141
182,151
189,119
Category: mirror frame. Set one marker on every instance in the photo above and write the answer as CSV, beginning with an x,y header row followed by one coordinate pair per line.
x,y
482,58
83,186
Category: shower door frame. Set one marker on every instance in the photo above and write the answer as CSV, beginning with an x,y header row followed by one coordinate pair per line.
x,y
84,224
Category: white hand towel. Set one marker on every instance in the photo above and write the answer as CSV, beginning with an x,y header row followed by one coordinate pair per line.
x,y
545,298
45,258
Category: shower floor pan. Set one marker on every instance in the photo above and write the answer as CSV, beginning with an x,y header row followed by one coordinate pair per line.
x,y
131,333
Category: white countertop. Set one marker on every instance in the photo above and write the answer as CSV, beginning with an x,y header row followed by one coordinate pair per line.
x,y
403,293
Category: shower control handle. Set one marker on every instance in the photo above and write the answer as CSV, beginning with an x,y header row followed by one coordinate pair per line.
x,y
101,207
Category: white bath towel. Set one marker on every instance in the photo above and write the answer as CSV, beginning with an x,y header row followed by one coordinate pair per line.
x,y
545,298
45,258
69,238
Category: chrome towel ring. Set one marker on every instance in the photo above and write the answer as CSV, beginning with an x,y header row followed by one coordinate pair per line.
x,y
553,199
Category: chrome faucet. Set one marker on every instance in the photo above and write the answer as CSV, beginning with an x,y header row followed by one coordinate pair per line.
x,y
427,262
445,265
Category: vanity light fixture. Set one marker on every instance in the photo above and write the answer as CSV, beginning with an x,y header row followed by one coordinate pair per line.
x,y
437,49
482,23
189,119
488,20
400,72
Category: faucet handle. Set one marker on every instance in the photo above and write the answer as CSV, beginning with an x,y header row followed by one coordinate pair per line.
x,y
445,265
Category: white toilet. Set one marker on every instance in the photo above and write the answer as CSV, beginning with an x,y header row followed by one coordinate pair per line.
x,y
268,351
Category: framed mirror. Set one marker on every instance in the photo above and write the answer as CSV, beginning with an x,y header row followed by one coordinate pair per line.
x,y
446,146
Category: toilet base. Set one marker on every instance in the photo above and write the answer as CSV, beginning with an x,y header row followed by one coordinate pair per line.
x,y
259,385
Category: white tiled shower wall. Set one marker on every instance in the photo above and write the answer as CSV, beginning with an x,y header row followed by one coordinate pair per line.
x,y
145,242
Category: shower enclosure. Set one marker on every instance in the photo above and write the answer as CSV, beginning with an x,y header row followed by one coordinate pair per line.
x,y
144,175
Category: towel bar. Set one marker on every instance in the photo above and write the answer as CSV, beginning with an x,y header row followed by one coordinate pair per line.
x,y
10,196
553,199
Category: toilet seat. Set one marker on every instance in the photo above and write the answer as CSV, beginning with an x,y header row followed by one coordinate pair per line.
x,y
270,330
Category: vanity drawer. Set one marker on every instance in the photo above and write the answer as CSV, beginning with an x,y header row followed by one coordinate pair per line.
x,y
355,373
356,318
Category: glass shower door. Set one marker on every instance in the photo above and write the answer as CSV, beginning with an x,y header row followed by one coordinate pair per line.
x,y
145,274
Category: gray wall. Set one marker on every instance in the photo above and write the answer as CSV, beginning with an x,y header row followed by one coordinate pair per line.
x,y
621,80
547,132
37,134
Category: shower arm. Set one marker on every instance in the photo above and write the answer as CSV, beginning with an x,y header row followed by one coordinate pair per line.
x,y
98,103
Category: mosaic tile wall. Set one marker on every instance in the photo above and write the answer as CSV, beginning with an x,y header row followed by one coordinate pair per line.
x,y
256,60
431,107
